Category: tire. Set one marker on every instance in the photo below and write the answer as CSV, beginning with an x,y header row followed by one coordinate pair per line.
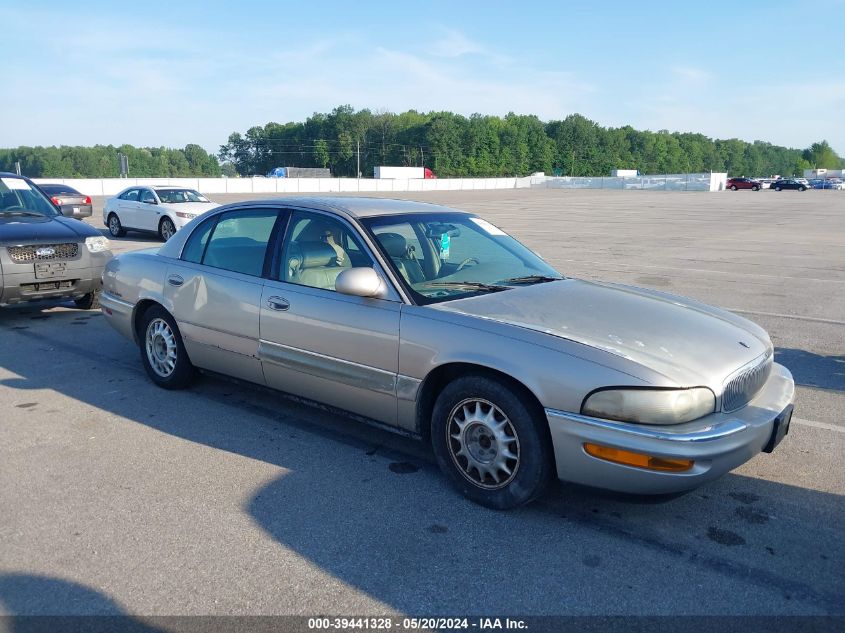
x,y
166,229
755,188
91,301
115,227
159,336
489,418
777,188
802,188
733,187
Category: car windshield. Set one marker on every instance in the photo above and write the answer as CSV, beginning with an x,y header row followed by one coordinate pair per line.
x,y
173,196
19,198
445,256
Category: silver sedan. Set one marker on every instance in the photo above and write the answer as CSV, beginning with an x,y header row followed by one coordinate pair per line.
x,y
436,323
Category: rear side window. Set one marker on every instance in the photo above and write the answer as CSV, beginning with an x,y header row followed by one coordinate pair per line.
x,y
239,241
195,246
147,196
132,194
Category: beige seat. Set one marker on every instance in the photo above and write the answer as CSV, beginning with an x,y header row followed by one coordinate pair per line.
x,y
313,264
402,255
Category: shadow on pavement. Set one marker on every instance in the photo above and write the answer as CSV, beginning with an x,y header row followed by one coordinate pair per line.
x,y
371,509
813,370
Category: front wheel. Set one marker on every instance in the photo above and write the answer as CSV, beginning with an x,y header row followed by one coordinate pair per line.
x,y
166,229
755,188
777,188
802,188
162,350
493,448
733,187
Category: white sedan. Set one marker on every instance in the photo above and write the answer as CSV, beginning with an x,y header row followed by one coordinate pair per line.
x,y
160,209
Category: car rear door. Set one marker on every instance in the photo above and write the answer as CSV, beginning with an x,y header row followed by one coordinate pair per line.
x,y
315,342
215,291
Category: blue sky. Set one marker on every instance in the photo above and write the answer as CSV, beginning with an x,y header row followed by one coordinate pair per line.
x,y
171,73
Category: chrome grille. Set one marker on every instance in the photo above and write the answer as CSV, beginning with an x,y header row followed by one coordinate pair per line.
x,y
23,254
746,383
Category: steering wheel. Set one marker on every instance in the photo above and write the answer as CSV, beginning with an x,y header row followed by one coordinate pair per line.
x,y
467,262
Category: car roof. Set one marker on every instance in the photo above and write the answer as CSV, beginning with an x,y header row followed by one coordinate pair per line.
x,y
362,207
167,187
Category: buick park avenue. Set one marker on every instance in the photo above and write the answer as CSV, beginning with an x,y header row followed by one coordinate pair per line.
x,y
436,323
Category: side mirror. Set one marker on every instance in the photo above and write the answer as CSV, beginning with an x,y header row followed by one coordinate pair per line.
x,y
361,282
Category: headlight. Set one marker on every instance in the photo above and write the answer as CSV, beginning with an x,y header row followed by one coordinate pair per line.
x,y
186,215
96,244
650,406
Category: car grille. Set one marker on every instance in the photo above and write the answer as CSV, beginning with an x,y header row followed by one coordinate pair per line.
x,y
746,383
23,254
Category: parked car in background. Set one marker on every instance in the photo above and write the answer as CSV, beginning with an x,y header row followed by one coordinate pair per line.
x,y
160,209
43,254
789,183
829,184
765,183
735,184
69,201
438,324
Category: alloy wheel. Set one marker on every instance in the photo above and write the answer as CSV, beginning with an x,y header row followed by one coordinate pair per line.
x,y
483,443
160,343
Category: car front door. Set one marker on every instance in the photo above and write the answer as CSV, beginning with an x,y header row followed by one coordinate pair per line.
x,y
215,291
126,208
338,349
149,212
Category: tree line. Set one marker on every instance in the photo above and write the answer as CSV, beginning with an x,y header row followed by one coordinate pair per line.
x,y
101,161
450,144
513,145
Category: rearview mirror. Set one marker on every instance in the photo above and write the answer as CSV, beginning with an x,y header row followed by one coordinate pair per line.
x,y
361,282
437,230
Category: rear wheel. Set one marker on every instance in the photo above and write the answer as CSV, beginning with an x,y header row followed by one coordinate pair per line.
x,y
802,188
91,301
777,188
115,227
755,188
166,229
493,448
733,187
162,350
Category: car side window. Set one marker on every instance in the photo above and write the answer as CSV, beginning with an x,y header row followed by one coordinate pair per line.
x,y
147,196
195,246
131,195
239,241
317,248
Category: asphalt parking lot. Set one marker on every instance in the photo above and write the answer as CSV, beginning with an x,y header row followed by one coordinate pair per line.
x,y
119,497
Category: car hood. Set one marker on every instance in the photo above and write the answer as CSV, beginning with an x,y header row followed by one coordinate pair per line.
x,y
28,230
687,342
191,207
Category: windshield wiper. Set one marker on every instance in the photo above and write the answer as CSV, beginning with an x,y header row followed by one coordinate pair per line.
x,y
472,285
28,213
530,279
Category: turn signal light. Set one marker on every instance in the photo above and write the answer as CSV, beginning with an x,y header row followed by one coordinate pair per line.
x,y
87,200
638,460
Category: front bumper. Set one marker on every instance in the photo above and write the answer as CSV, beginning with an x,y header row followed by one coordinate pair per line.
x,y
82,275
717,443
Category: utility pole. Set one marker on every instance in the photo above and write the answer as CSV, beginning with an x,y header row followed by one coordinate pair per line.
x,y
358,145
18,167
422,153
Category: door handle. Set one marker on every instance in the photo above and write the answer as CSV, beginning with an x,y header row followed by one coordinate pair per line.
x,y
278,303
175,280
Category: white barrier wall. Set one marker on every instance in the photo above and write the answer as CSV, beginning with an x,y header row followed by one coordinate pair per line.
x,y
676,182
